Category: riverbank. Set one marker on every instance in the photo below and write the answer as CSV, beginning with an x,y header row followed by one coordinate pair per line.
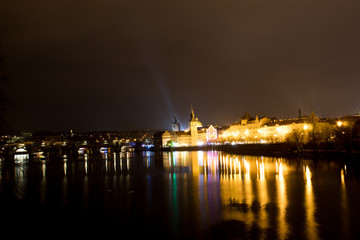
x,y
247,149
271,150
256,149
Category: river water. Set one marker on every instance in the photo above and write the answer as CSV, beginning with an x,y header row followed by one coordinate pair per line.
x,y
198,194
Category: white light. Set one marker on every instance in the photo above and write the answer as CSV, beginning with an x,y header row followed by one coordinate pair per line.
x,y
21,150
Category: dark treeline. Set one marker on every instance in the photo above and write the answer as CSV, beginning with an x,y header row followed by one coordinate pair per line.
x,y
326,138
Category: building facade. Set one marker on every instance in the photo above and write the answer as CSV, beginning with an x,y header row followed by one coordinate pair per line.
x,y
195,135
266,130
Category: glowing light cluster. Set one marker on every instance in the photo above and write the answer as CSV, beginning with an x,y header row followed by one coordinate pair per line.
x,y
262,133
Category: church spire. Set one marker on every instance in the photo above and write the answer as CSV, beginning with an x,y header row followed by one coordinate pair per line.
x,y
176,124
192,114
175,119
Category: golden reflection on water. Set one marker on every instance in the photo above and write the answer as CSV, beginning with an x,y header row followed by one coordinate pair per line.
x,y
245,186
344,202
342,176
282,200
263,198
209,187
242,181
255,190
310,207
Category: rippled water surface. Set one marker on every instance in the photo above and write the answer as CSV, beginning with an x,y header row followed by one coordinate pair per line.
x,y
183,195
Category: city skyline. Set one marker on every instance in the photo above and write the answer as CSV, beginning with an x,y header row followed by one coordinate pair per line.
x,y
191,119
299,114
125,65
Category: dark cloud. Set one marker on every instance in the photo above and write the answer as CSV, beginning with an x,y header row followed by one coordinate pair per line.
x,y
132,64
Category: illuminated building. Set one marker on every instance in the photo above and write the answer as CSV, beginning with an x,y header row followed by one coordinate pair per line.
x,y
265,130
211,133
195,135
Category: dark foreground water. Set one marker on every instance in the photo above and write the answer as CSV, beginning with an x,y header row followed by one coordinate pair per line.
x,y
210,195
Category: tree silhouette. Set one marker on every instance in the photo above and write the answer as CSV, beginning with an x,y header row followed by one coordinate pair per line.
x,y
296,140
314,121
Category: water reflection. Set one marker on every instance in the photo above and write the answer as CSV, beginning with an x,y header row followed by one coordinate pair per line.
x,y
271,197
244,183
283,228
344,204
310,207
342,175
43,182
20,179
263,197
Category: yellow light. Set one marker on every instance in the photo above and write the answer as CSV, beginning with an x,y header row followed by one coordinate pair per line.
x,y
339,123
308,175
281,172
306,127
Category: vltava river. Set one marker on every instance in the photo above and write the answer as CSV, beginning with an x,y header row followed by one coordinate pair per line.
x,y
183,195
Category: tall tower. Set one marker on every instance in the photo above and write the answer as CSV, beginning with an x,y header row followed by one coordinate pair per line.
x,y
176,124
194,123
192,114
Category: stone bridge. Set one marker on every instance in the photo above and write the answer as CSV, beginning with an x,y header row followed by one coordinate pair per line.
x,y
65,149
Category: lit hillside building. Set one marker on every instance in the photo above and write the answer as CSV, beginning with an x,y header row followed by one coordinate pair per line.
x,y
266,130
195,135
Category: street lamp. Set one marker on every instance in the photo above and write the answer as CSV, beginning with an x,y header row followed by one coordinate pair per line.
x,y
339,123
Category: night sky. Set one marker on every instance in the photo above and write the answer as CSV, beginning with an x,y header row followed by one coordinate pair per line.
x,y
123,65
